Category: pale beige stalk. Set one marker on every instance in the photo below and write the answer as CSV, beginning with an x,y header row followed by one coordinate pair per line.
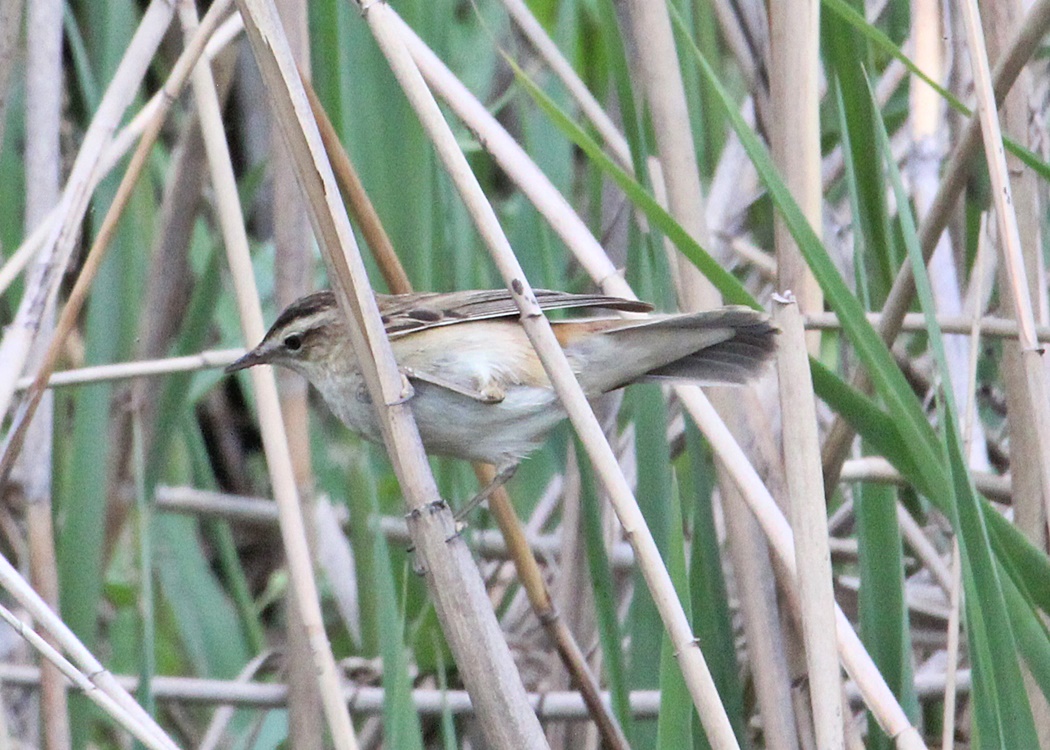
x,y
112,154
878,469
591,108
929,128
459,596
42,287
69,672
554,705
794,69
1023,283
1025,43
1038,394
207,360
809,522
78,296
43,171
658,71
293,278
275,441
261,511
991,326
100,678
795,92
1026,449
537,327
924,549
660,75
590,255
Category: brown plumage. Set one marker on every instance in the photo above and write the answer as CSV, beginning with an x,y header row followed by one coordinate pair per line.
x,y
480,391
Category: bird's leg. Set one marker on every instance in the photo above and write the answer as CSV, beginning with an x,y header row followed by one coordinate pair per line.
x,y
502,477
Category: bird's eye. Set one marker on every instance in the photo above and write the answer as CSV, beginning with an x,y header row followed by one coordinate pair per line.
x,y
293,343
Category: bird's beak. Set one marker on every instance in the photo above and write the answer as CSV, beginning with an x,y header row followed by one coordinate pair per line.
x,y
252,358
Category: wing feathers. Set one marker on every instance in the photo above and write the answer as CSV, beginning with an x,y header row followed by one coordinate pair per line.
x,y
415,312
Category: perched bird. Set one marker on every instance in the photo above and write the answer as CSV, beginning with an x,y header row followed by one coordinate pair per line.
x,y
481,393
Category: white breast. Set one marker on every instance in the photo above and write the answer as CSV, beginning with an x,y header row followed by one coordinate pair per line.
x,y
452,424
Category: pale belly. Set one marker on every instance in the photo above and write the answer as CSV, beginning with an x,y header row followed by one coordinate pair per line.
x,y
451,424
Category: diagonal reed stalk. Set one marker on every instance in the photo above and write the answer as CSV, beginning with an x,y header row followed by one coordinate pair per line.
x,y
275,441
953,179
500,506
61,237
698,678
456,589
589,253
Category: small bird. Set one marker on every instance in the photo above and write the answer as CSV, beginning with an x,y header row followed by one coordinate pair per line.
x,y
480,392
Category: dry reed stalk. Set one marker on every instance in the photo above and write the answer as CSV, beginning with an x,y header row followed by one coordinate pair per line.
x,y
275,442
809,522
795,92
554,705
1007,68
1025,450
78,296
767,652
1025,373
42,287
659,72
261,511
537,327
100,678
991,326
878,469
924,549
112,153
794,29
144,733
206,360
1036,403
550,705
590,255
293,278
43,167
525,563
457,591
928,128
361,209
591,107
660,76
